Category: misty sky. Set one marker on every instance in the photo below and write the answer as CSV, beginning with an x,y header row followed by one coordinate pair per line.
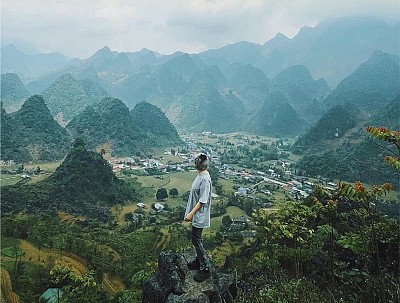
x,y
77,28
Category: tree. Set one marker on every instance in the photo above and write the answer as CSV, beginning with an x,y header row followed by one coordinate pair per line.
x,y
161,194
79,143
173,192
78,288
226,220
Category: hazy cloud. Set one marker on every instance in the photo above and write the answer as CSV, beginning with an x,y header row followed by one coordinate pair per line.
x,y
79,28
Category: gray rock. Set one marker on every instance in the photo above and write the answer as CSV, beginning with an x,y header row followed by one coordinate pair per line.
x,y
174,283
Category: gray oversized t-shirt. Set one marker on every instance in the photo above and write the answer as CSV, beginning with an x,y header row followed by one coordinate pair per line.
x,y
200,192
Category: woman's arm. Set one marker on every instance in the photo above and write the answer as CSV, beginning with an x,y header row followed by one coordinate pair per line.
x,y
190,215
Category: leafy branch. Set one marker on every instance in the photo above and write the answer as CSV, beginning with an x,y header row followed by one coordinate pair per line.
x,y
391,136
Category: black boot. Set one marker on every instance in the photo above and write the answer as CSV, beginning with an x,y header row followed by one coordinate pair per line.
x,y
195,264
202,275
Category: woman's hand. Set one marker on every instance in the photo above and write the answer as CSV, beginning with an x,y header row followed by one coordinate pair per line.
x,y
189,217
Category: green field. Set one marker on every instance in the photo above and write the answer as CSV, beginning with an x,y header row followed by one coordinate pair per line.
x,y
8,179
227,185
182,181
44,166
216,222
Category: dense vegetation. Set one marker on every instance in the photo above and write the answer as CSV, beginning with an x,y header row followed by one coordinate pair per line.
x,y
331,247
12,89
345,152
105,250
111,123
328,248
67,97
83,184
351,164
32,134
151,120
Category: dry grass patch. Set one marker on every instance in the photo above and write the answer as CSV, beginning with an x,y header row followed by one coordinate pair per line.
x,y
47,256
119,212
7,294
113,284
68,218
216,222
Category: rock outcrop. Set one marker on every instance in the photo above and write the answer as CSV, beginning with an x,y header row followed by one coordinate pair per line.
x,y
174,283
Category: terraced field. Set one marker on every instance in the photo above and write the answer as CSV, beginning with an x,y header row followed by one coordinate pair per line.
x,y
44,256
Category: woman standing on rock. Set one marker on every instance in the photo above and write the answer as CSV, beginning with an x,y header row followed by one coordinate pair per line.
x,y
198,212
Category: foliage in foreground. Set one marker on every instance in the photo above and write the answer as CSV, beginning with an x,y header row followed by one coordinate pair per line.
x,y
332,247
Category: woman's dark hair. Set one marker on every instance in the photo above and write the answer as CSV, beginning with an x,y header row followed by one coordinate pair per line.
x,y
201,162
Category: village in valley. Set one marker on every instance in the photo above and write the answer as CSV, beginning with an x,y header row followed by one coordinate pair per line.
x,y
238,190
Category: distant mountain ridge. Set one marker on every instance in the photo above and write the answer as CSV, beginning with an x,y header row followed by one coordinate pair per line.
x,y
370,86
353,39
237,79
333,49
29,67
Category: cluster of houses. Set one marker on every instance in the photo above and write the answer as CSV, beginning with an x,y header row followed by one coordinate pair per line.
x,y
7,163
154,165
130,163
10,168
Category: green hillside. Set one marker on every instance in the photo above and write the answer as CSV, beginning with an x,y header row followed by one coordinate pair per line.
x,y
67,97
276,118
12,90
151,120
202,107
31,134
355,153
370,87
83,184
327,131
109,122
127,133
